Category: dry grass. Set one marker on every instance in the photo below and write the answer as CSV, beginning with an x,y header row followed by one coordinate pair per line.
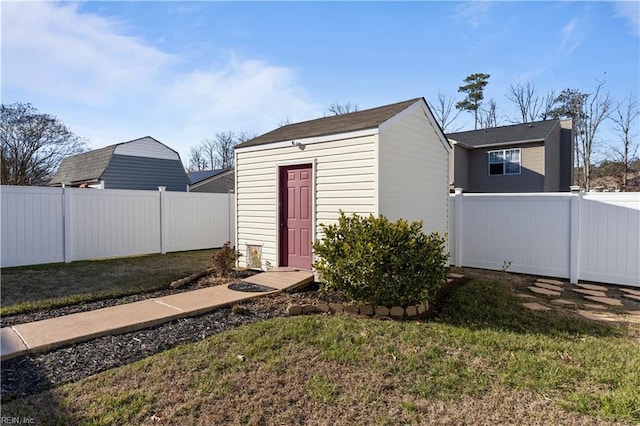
x,y
484,361
29,288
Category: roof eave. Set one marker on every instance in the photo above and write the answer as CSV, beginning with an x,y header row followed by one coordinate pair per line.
x,y
309,140
489,145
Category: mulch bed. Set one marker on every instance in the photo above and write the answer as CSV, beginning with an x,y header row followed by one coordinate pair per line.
x,y
30,374
206,281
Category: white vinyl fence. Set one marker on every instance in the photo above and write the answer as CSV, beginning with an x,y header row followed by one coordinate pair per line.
x,y
46,225
580,236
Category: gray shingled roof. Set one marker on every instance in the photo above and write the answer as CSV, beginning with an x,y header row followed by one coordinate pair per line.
x,y
84,167
360,120
527,132
89,166
195,177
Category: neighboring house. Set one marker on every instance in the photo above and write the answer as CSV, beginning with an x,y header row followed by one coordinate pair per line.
x,y
529,157
142,163
391,161
219,181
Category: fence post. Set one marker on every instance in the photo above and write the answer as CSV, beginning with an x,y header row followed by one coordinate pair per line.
x,y
163,217
66,223
457,228
574,250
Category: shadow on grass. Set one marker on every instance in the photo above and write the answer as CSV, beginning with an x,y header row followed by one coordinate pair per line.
x,y
479,304
19,406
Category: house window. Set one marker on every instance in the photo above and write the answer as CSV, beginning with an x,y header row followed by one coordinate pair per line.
x,y
504,162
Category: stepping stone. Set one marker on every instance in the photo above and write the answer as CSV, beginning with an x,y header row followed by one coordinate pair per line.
x,y
563,302
592,287
549,286
606,300
588,315
631,296
629,291
455,275
599,317
592,306
524,296
544,291
590,292
550,281
536,307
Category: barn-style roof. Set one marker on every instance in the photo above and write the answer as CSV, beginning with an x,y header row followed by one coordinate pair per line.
x,y
536,131
351,122
90,166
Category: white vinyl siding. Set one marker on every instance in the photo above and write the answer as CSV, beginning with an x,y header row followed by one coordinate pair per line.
x,y
146,147
345,180
413,172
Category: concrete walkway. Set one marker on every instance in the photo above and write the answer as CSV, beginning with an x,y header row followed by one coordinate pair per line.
x,y
40,336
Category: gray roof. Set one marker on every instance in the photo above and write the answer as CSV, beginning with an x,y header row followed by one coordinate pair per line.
x,y
88,166
517,133
195,177
360,120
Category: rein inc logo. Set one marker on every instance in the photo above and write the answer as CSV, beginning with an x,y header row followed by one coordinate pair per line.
x,y
5,420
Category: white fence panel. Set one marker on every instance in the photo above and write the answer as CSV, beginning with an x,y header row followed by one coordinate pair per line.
x,y
609,238
523,233
210,223
592,237
111,223
32,225
47,225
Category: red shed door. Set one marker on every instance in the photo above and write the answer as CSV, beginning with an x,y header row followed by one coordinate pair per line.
x,y
295,216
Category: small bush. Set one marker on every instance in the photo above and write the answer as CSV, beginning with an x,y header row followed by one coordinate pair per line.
x,y
224,260
375,261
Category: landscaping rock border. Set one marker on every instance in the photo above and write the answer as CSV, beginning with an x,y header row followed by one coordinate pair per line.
x,y
395,312
411,311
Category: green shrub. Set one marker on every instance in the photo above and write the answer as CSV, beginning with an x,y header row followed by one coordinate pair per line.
x,y
375,261
224,260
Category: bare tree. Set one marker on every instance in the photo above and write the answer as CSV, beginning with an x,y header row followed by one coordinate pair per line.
x,y
218,152
624,117
548,103
208,152
339,109
284,122
488,117
33,144
197,160
224,153
530,106
444,110
588,111
245,135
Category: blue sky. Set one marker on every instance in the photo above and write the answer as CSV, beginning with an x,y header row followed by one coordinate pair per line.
x,y
182,71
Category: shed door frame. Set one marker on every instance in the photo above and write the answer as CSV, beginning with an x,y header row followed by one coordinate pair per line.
x,y
279,207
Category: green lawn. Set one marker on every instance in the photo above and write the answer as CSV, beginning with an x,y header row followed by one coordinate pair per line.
x,y
30,288
484,360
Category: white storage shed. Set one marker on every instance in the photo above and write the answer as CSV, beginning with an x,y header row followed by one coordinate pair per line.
x,y
391,161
